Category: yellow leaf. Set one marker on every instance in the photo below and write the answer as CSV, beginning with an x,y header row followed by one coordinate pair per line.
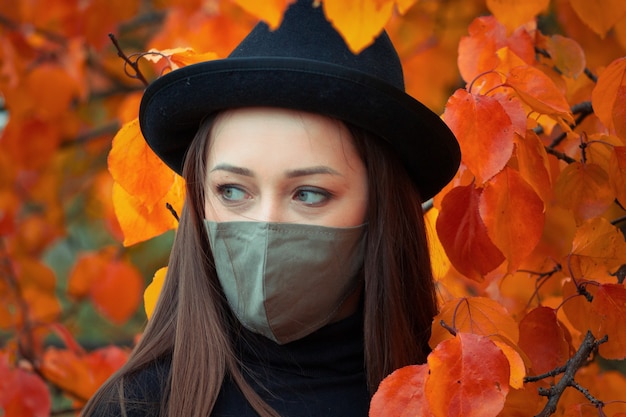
x,y
599,15
515,13
151,294
516,363
358,21
271,11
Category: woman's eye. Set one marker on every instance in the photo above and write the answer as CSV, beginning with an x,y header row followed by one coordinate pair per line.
x,y
311,197
231,193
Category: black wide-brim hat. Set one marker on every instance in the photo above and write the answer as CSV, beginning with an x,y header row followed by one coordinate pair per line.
x,y
303,65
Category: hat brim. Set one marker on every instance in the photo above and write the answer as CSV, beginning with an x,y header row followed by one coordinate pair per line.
x,y
174,105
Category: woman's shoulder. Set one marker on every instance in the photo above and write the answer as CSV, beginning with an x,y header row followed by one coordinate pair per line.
x,y
141,395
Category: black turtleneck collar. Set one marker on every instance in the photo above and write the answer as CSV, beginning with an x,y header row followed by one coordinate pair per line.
x,y
322,374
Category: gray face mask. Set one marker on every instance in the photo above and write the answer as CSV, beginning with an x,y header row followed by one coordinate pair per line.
x,y
285,280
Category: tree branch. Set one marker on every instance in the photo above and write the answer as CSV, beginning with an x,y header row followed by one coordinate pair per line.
x,y
110,128
587,347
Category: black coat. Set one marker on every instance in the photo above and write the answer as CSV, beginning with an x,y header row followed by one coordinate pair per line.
x,y
321,375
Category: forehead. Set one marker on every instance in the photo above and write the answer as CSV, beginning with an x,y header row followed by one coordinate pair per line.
x,y
251,135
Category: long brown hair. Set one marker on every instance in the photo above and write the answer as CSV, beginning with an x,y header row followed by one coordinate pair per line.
x,y
192,320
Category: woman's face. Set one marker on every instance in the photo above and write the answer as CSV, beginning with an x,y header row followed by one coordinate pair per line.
x,y
276,165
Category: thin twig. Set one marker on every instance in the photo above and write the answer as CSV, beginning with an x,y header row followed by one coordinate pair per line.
x,y
128,61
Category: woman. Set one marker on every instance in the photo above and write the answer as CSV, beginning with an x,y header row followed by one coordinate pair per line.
x,y
300,276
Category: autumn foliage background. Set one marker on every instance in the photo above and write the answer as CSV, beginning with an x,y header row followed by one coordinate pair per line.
x,y
527,247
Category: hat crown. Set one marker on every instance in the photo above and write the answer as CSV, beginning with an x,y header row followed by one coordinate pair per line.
x,y
306,34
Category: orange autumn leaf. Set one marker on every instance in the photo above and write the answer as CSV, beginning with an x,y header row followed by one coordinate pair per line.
x,y
153,290
136,168
464,235
104,361
513,13
617,173
584,189
138,223
513,215
606,96
81,374
179,57
602,316
36,283
538,91
102,17
469,377
65,369
35,153
477,51
567,55
484,130
577,308
600,15
534,164
618,114
543,340
117,291
113,285
476,315
401,394
359,22
87,269
51,90
598,248
271,11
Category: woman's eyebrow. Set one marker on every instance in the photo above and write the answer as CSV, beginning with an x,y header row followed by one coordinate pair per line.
x,y
233,169
302,172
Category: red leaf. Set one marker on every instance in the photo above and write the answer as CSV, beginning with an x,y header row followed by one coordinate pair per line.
x,y
542,338
469,377
513,214
484,130
22,393
609,304
477,52
401,394
464,235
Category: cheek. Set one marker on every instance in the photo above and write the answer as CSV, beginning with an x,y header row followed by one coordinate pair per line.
x,y
209,209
